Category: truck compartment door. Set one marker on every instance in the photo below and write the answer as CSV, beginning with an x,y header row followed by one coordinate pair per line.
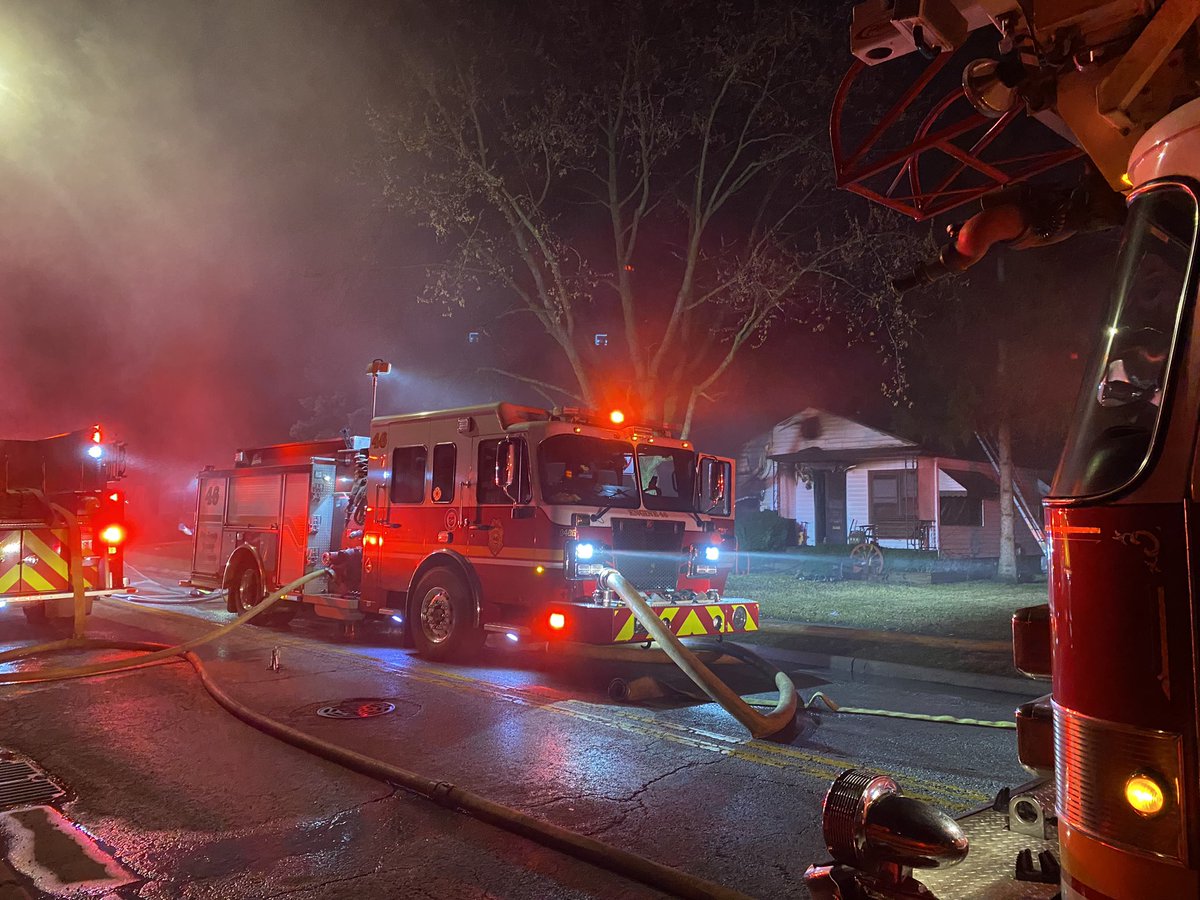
x,y
210,517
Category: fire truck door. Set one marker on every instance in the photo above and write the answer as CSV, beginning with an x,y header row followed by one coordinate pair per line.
x,y
490,521
398,525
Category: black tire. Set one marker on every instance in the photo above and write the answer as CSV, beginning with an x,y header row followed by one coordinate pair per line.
x,y
35,614
246,591
441,616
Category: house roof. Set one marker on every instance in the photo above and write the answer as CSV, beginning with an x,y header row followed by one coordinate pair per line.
x,y
817,435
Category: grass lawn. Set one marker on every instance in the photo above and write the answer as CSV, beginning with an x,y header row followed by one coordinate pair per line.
x,y
980,610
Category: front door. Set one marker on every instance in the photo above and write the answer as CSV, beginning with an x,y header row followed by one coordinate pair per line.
x,y
829,507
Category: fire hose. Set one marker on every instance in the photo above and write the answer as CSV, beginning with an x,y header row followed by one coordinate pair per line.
x,y
759,725
445,794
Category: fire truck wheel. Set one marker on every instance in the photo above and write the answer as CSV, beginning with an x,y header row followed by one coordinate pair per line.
x,y
246,590
35,614
441,616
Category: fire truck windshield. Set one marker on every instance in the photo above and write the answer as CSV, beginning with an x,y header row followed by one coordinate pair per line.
x,y
667,476
589,471
1118,412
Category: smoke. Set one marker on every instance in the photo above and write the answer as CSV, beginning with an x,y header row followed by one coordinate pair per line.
x,y
186,252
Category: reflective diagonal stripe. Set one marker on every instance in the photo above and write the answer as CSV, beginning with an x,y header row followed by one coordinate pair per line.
x,y
34,579
9,577
35,544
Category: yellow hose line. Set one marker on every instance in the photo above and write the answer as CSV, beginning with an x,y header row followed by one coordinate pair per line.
x,y
836,707
782,715
122,665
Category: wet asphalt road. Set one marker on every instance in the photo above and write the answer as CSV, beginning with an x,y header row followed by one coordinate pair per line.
x,y
194,803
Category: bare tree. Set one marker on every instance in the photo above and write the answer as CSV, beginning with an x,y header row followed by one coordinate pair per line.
x,y
657,172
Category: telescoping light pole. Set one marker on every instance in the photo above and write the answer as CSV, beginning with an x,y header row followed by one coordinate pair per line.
x,y
375,369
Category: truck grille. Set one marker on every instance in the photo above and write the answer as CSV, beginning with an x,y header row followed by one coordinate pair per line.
x,y
1095,758
648,553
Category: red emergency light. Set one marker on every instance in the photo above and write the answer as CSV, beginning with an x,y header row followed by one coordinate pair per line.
x,y
113,534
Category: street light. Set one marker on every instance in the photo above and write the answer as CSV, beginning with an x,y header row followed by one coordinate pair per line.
x,y
375,369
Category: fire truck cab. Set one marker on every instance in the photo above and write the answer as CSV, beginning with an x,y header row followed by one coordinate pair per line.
x,y
493,519
50,488
1118,738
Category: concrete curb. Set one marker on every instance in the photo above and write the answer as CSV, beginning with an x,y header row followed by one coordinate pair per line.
x,y
854,669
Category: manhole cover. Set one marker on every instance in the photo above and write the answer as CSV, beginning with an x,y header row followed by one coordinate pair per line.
x,y
24,785
356,708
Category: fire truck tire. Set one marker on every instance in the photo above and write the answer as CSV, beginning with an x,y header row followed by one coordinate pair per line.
x,y
35,614
441,615
246,590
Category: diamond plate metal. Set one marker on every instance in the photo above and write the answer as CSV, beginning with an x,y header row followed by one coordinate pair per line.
x,y
988,871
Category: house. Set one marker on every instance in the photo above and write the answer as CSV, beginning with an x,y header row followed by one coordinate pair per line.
x,y
834,476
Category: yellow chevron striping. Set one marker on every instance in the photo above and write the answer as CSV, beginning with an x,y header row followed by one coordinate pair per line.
x,y
45,554
34,579
9,578
692,625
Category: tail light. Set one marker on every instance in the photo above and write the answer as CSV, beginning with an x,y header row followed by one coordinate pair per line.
x,y
557,621
1121,785
113,534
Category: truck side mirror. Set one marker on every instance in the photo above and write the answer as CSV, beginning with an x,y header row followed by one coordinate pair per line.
x,y
508,468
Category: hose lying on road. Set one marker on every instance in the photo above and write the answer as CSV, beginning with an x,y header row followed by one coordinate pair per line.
x,y
833,706
759,725
590,850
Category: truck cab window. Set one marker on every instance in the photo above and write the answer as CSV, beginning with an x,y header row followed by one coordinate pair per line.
x,y
487,492
444,457
1118,412
408,474
667,477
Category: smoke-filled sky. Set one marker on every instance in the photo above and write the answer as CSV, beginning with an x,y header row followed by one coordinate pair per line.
x,y
187,252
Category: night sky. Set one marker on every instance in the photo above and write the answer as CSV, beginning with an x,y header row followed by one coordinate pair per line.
x,y
194,246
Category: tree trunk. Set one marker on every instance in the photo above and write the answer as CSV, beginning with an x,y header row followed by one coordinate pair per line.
x,y
1006,569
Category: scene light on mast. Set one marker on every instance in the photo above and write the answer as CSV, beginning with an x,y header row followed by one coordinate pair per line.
x,y
95,451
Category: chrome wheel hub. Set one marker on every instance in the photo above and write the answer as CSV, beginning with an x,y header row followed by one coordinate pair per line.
x,y
437,616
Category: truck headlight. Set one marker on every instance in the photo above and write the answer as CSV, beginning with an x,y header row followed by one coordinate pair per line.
x,y
712,553
585,551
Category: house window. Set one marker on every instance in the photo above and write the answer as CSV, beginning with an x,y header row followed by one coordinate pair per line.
x,y
408,474
443,473
961,509
893,495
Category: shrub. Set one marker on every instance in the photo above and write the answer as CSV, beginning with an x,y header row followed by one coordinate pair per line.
x,y
764,530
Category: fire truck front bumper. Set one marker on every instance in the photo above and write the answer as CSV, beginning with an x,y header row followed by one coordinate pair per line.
x,y
608,624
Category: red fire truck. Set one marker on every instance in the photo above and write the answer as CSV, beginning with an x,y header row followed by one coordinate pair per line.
x,y
488,519
1119,735
43,485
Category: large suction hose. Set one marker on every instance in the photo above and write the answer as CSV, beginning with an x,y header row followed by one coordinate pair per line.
x,y
759,725
590,850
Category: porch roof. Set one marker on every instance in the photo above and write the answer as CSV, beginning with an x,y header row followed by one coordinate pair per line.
x,y
975,484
